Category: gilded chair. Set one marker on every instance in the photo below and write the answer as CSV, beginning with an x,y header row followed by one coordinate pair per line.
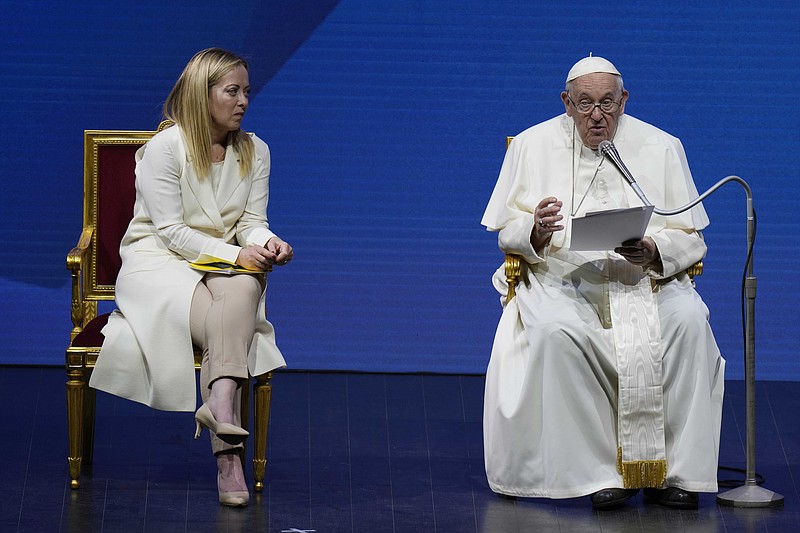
x,y
513,263
108,199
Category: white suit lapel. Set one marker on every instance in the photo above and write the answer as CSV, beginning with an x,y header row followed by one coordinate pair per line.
x,y
204,193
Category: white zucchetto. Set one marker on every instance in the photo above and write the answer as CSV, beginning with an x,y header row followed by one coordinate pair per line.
x,y
590,65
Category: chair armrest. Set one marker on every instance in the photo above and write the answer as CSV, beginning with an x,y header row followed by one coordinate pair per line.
x,y
75,266
513,271
695,270
75,256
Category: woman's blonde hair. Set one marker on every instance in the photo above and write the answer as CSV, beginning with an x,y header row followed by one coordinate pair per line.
x,y
187,106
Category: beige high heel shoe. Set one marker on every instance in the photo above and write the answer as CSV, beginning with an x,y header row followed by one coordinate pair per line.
x,y
234,498
229,433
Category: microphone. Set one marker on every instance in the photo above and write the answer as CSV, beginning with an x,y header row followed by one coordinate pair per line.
x,y
608,149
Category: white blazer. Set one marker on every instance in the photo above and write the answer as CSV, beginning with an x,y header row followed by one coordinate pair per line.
x,y
147,353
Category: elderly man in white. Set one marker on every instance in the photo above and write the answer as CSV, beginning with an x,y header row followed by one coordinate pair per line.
x,y
604,376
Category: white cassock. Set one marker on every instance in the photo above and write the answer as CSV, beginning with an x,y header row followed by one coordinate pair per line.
x,y
600,368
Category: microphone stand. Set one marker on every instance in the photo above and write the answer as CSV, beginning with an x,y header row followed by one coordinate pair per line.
x,y
750,494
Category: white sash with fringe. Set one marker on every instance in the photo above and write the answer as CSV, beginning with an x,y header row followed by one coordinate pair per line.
x,y
641,456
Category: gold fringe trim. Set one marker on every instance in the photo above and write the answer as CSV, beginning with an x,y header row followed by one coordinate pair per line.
x,y
642,474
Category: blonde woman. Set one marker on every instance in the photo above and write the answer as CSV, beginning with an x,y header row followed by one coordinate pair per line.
x,y
201,196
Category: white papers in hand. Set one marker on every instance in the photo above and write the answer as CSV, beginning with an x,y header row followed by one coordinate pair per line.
x,y
606,230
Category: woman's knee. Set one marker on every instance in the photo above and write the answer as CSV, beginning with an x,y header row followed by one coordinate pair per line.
x,y
201,303
240,288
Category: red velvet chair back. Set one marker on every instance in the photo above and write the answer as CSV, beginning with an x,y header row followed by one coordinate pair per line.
x,y
115,198
109,196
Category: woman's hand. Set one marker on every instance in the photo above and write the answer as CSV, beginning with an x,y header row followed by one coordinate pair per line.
x,y
256,258
281,250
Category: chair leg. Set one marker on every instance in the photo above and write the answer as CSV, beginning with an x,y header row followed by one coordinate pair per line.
x,y
76,386
263,397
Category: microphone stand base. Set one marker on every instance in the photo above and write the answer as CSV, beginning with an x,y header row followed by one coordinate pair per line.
x,y
750,496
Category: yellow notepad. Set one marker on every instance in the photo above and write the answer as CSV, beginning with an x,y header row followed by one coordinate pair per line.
x,y
223,267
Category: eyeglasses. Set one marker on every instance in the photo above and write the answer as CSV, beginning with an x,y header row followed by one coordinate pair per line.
x,y
586,107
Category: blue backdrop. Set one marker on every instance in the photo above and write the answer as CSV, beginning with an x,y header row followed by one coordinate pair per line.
x,y
387,121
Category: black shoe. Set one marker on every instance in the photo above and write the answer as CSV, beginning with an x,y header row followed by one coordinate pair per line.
x,y
672,497
611,498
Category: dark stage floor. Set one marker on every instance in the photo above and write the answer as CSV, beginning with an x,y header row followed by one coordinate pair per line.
x,y
347,452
